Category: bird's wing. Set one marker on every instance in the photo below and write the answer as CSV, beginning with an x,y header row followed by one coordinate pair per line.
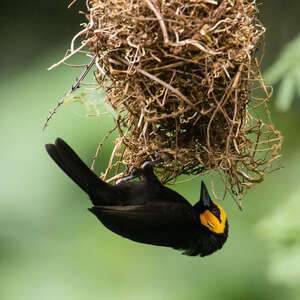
x,y
139,192
152,223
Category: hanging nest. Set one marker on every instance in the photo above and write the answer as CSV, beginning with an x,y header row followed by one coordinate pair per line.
x,y
181,75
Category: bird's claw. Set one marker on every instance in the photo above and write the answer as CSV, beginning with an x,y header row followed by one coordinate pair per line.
x,y
151,163
139,172
133,174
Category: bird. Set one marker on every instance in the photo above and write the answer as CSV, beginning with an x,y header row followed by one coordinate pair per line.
x,y
146,211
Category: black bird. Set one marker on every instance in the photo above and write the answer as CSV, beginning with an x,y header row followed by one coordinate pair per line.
x,y
146,211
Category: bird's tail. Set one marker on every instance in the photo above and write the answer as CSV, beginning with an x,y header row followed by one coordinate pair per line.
x,y
73,166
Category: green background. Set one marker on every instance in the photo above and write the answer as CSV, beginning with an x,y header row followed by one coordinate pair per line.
x,y
51,247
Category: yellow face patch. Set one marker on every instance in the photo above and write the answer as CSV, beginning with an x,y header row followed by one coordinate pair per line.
x,y
209,220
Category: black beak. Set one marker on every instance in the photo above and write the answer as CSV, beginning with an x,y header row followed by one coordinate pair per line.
x,y
204,196
205,201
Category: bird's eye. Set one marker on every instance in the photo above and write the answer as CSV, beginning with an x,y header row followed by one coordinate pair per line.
x,y
215,211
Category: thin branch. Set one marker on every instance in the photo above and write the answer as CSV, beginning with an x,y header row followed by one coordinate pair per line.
x,y
72,89
160,20
167,86
67,57
76,36
74,1
100,146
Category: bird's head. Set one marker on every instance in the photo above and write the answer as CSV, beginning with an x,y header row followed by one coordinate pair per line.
x,y
212,215
213,230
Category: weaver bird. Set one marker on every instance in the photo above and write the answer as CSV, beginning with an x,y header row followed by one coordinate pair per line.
x,y
146,211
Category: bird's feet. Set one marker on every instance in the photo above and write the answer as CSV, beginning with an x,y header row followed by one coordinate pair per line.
x,y
151,163
140,172
133,174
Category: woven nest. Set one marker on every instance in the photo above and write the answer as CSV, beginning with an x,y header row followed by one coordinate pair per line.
x,y
181,74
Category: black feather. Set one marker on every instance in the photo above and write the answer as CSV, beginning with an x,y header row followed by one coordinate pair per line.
x,y
144,211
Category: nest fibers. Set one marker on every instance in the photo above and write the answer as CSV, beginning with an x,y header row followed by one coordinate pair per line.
x,y
180,74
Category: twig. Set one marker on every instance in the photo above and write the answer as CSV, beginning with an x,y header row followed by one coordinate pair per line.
x,y
116,148
100,146
72,89
160,20
167,86
74,1
67,57
75,38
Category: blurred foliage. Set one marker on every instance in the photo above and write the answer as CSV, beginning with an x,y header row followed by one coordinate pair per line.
x,y
93,101
282,231
286,70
